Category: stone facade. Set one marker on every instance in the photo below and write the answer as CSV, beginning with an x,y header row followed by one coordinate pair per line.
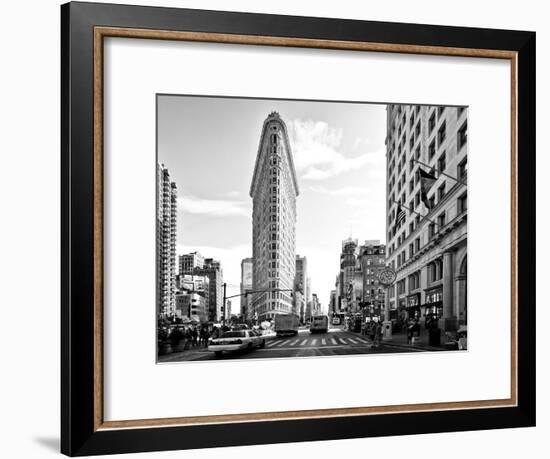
x,y
274,190
189,261
428,248
372,256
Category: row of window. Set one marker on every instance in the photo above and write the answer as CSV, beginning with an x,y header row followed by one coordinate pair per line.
x,y
434,271
433,228
462,136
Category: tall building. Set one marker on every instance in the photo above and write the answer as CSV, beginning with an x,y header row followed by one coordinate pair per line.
x,y
189,261
427,212
273,191
372,256
167,196
212,269
301,284
332,306
313,307
246,286
349,288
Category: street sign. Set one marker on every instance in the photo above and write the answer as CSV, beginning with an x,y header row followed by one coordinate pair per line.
x,y
387,276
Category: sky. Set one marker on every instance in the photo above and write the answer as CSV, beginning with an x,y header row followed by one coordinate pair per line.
x,y
210,144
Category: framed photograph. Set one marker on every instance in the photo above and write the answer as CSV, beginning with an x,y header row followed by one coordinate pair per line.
x,y
280,229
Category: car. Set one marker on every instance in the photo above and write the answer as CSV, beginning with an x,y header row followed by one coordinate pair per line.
x,y
236,340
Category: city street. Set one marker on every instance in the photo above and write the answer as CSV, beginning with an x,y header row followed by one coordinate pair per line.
x,y
305,344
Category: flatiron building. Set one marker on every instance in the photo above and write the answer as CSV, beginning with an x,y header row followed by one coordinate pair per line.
x,y
273,191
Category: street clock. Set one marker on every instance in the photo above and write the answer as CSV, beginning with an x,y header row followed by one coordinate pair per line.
x,y
387,276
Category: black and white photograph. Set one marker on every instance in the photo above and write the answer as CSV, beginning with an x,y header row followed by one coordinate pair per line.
x,y
301,228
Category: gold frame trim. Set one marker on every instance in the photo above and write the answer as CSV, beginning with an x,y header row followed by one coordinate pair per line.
x,y
99,34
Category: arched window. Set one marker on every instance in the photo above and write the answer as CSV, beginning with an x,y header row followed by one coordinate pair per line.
x,y
435,270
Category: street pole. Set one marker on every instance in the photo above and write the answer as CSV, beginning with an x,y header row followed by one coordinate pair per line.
x,y
224,301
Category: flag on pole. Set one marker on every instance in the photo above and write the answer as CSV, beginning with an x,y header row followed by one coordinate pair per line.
x,y
399,215
427,179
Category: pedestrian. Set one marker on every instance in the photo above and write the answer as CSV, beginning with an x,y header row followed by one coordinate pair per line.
x,y
377,334
410,328
204,337
372,331
195,335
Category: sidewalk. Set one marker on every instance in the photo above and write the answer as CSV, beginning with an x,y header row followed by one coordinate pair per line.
x,y
189,354
400,340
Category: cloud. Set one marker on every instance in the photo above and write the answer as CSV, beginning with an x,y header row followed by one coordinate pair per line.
x,y
317,150
343,191
354,196
357,143
233,194
213,207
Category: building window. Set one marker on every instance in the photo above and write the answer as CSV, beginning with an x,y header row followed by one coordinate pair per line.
x,y
440,111
401,287
431,231
431,123
462,136
441,192
414,281
417,244
463,170
462,203
431,150
435,270
442,162
459,111
441,220
441,134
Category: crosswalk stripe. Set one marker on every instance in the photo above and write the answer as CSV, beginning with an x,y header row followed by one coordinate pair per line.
x,y
273,343
343,340
352,340
333,341
294,342
362,340
303,342
285,342
313,342
323,341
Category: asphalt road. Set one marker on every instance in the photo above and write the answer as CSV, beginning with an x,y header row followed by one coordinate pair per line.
x,y
305,344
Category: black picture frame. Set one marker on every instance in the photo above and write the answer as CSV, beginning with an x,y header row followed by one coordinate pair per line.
x,y
79,435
